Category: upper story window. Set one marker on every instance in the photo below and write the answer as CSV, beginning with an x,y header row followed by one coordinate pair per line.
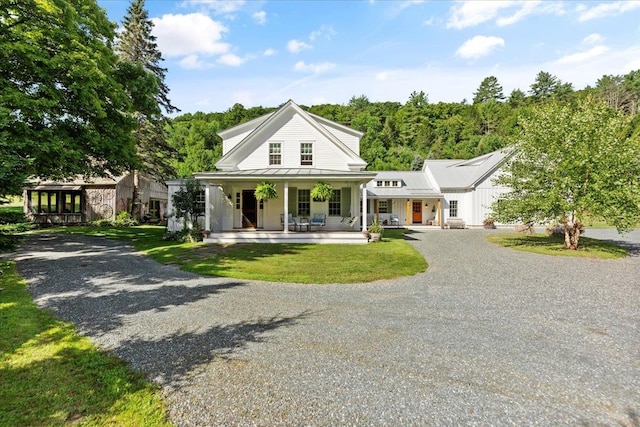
x,y
306,153
275,153
388,183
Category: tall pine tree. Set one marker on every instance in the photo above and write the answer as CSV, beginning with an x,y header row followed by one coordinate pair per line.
x,y
136,45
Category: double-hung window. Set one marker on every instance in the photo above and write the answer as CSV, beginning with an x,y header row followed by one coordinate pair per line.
x,y
334,204
275,153
306,154
453,208
304,202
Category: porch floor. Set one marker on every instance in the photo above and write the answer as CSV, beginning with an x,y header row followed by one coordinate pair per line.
x,y
261,236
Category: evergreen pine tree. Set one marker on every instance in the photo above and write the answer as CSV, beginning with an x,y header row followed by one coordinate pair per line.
x,y
137,46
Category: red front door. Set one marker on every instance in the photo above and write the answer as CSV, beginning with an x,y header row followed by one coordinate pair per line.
x,y
417,212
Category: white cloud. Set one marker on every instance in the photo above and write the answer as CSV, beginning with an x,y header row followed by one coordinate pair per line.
x,y
472,13
382,76
606,9
325,31
314,68
527,9
593,39
195,33
269,52
429,22
479,46
193,62
587,55
295,46
260,17
221,7
231,60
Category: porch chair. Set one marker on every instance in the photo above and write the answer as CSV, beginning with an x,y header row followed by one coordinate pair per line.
x,y
291,222
318,220
393,219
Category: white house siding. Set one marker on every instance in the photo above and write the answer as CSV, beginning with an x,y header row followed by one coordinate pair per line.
x,y
351,141
483,197
291,133
465,206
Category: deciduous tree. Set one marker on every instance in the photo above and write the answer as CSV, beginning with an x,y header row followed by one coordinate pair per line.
x,y
572,163
63,107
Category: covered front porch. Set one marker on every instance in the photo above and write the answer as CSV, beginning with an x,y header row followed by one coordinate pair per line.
x,y
231,206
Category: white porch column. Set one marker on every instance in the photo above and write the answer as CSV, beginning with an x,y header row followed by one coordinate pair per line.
x,y
364,207
285,219
207,207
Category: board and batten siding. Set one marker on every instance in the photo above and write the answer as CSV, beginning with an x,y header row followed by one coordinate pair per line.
x,y
290,134
464,199
485,194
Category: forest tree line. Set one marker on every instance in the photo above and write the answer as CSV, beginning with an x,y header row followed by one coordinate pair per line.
x,y
400,136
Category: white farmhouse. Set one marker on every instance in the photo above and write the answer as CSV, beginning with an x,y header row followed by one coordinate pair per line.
x,y
294,150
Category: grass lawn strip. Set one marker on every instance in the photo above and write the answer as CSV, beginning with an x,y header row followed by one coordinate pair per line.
x,y
50,375
276,262
545,245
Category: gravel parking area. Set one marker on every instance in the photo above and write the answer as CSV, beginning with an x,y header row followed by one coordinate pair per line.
x,y
487,336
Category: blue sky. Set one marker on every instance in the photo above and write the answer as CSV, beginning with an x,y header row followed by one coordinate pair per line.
x,y
266,52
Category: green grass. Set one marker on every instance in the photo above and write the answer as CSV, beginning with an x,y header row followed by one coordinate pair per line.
x,y
543,244
293,263
50,375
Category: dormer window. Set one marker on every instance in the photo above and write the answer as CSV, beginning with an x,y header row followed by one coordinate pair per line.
x,y
275,153
306,154
388,183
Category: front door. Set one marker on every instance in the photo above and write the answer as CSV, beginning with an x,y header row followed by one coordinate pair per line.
x,y
417,212
249,209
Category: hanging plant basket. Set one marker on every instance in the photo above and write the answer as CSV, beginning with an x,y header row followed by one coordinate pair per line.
x,y
321,192
265,191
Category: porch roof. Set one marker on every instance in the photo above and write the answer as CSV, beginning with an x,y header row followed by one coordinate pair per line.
x,y
281,174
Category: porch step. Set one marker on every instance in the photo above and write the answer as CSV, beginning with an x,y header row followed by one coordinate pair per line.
x,y
354,238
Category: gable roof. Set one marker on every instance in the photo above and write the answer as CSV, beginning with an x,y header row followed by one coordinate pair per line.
x,y
267,122
464,174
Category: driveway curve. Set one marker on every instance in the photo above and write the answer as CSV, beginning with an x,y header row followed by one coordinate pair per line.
x,y
487,336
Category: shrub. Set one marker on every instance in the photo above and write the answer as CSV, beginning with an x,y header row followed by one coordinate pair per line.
x,y
102,223
123,219
12,217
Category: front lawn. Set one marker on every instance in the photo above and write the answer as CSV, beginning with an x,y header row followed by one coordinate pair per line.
x,y
281,262
50,375
543,244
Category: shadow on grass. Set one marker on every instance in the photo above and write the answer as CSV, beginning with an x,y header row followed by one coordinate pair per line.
x,y
547,245
52,376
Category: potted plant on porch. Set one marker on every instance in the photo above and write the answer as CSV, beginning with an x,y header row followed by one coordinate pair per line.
x,y
375,230
265,191
321,192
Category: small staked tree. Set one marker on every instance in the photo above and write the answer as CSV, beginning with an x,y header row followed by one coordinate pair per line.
x,y
188,205
571,164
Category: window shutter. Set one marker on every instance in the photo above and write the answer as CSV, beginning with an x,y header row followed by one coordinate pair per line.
x,y
345,201
293,201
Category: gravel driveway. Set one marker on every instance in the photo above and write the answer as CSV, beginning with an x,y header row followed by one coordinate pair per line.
x,y
487,336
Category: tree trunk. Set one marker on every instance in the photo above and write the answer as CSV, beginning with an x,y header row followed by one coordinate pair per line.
x,y
135,207
572,234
